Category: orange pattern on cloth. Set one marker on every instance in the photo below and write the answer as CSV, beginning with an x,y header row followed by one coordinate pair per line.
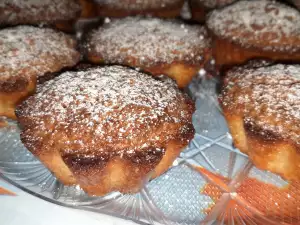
x,y
254,202
6,192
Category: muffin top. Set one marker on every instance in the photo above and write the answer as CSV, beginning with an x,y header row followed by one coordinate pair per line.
x,y
268,98
261,24
38,11
148,41
108,109
138,4
30,51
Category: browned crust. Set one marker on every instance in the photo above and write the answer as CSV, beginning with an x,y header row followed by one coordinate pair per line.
x,y
13,91
167,12
20,18
99,173
105,175
227,53
99,167
106,172
181,65
198,11
18,87
14,84
181,71
18,80
45,149
88,9
99,176
67,26
268,151
21,82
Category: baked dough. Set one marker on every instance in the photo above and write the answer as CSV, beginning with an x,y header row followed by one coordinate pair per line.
x,y
261,106
257,29
27,54
153,45
107,129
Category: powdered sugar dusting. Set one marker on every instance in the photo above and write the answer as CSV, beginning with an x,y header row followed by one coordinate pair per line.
x,y
148,41
269,97
37,11
34,50
214,3
264,24
114,103
138,4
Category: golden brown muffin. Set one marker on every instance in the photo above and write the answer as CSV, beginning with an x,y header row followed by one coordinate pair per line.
x,y
200,8
261,106
107,129
255,29
27,54
62,13
123,8
153,45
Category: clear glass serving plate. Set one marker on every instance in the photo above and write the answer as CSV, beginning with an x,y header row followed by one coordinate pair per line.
x,y
210,183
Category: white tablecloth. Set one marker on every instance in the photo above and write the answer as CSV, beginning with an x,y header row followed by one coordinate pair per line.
x,y
25,209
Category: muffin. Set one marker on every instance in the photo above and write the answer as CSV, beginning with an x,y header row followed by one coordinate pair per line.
x,y
152,45
255,30
108,128
124,8
201,8
61,13
261,106
28,54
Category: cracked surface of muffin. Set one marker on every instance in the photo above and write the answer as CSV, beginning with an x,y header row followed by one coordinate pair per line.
x,y
27,54
61,13
261,106
255,30
124,8
153,45
108,128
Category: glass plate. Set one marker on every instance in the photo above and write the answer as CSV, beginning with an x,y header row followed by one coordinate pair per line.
x,y
210,183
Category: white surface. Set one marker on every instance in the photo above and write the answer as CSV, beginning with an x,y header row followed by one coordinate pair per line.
x,y
25,209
